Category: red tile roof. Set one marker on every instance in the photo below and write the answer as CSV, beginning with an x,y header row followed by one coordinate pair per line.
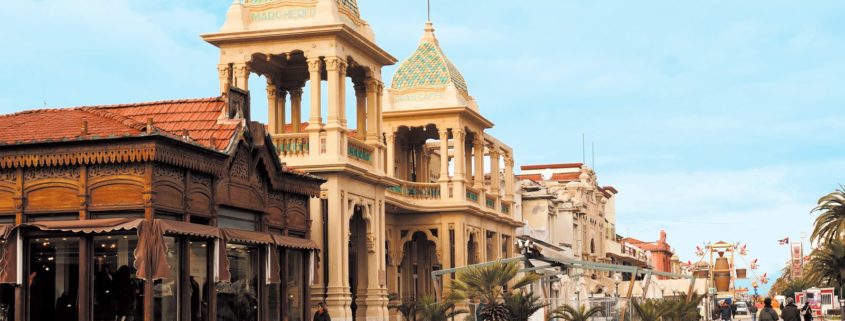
x,y
551,166
200,117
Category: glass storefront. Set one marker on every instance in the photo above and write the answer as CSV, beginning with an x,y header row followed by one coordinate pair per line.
x,y
53,280
238,300
199,278
295,285
166,290
118,292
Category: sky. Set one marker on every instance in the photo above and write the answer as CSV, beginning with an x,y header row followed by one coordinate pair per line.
x,y
715,120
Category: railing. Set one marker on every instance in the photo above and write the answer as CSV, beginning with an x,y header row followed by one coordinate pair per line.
x,y
426,191
506,207
490,201
291,145
473,195
359,150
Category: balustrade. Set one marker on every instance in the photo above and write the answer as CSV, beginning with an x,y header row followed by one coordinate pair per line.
x,y
359,150
291,145
427,191
473,195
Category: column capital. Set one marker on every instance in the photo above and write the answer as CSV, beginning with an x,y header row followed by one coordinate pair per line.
x,y
444,133
295,92
360,88
494,151
458,133
314,64
224,70
509,161
241,70
335,63
273,90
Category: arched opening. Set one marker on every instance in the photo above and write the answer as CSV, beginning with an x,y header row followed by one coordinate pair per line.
x,y
472,250
418,261
358,263
592,246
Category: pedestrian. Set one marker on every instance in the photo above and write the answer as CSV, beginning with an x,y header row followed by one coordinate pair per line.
x,y
768,313
808,312
790,311
752,309
725,312
322,314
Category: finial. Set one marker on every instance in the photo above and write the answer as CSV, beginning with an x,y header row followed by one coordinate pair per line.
x,y
428,2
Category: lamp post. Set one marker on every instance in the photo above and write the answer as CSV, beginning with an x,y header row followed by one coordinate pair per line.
x,y
617,279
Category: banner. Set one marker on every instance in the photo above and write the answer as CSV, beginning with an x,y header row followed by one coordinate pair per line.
x,y
797,250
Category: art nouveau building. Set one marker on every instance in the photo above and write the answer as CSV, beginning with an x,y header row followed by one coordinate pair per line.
x,y
407,190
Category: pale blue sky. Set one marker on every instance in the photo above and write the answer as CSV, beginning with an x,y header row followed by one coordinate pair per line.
x,y
715,119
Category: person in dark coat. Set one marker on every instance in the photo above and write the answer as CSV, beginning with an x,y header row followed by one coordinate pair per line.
x,y
322,314
725,312
768,313
808,312
752,309
790,311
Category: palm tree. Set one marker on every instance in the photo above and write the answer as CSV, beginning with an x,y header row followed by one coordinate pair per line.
x,y
568,313
830,225
428,309
827,266
522,306
649,309
679,308
487,283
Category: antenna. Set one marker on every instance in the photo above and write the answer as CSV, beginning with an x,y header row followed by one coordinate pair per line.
x,y
428,2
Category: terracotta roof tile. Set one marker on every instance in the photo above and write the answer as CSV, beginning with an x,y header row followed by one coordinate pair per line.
x,y
198,116
551,166
560,177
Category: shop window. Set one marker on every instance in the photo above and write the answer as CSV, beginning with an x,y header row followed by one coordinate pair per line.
x,y
7,295
199,279
118,292
118,214
166,290
53,280
295,285
275,295
238,300
52,217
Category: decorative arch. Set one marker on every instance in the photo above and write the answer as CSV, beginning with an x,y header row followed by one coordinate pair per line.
x,y
428,235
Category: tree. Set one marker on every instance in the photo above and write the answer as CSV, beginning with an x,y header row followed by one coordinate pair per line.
x,y
522,305
649,309
830,225
679,308
428,309
568,313
827,265
487,283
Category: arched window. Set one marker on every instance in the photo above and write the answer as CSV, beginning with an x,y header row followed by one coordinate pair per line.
x,y
593,246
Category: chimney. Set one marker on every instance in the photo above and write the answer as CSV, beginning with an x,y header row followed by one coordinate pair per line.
x,y
150,127
84,127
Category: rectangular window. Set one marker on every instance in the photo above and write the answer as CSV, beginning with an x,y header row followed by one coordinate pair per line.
x,y
166,290
295,285
199,280
237,219
118,292
238,300
53,280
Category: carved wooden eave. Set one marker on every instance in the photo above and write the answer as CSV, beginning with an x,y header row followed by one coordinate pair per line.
x,y
301,184
153,147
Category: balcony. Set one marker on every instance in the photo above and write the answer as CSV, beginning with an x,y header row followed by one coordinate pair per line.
x,y
314,152
433,197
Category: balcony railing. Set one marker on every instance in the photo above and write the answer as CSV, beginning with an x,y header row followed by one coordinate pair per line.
x,y
473,195
490,202
506,207
425,191
291,145
359,150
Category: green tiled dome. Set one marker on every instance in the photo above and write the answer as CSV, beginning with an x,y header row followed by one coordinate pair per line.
x,y
351,5
428,67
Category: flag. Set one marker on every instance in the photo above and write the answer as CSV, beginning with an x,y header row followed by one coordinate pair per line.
x,y
783,241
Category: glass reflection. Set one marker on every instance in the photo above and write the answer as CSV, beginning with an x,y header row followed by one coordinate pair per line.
x,y
238,300
199,279
118,292
53,278
166,290
295,279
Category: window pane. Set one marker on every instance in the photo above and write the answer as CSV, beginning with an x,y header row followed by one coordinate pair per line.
x,y
118,292
7,293
294,277
238,299
275,302
166,291
53,278
199,279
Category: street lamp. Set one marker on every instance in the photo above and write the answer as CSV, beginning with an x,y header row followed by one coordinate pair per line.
x,y
617,279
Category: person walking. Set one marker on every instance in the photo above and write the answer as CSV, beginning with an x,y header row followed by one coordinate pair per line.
x,y
752,309
322,314
768,313
726,313
790,311
808,312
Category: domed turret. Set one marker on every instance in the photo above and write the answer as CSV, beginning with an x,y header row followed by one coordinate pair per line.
x,y
427,79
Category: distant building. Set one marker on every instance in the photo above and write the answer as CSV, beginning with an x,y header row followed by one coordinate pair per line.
x,y
663,257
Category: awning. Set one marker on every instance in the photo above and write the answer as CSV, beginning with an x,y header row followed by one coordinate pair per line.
x,y
189,229
246,237
295,242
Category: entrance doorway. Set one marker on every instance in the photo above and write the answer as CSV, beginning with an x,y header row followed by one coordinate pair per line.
x,y
358,254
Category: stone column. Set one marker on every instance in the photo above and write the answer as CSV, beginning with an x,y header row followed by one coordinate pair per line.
x,y
272,108
224,72
372,111
459,137
444,163
333,67
495,178
296,108
337,291
241,75
478,153
509,177
391,153
315,121
361,109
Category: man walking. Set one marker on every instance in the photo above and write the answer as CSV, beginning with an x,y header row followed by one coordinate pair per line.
x,y
790,312
752,309
726,313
